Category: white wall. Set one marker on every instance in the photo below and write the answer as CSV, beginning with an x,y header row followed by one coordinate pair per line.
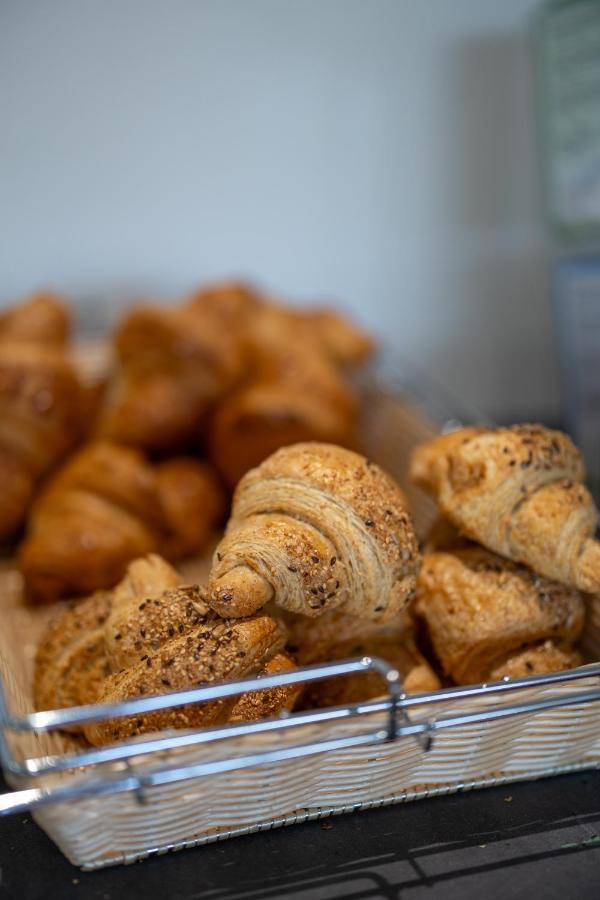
x,y
380,152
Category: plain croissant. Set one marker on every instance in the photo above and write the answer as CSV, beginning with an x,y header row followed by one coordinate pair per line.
x,y
294,390
173,364
316,527
519,492
40,404
41,319
106,507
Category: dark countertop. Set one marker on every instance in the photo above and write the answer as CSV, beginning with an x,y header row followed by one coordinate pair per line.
x,y
534,840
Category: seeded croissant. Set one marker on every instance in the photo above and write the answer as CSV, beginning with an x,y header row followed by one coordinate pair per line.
x,y
313,528
71,660
480,609
161,637
519,492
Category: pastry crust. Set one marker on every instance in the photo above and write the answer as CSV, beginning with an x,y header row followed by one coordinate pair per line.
x,y
224,651
294,390
397,649
151,635
174,363
316,527
478,607
193,503
539,659
310,639
71,661
43,318
40,418
106,507
518,491
268,703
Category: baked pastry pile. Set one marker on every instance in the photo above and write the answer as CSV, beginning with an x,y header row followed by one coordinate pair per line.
x,y
334,545
96,472
150,635
499,592
319,562
107,481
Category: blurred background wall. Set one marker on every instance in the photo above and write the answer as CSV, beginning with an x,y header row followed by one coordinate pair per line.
x,y
379,153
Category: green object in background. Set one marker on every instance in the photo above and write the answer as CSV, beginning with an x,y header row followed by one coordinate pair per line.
x,y
567,50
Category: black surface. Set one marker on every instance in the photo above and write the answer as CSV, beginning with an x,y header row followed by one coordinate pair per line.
x,y
543,842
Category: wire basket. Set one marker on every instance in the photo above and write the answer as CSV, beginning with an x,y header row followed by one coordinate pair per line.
x,y
181,788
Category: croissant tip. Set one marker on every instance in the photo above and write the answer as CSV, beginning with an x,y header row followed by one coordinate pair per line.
x,y
240,592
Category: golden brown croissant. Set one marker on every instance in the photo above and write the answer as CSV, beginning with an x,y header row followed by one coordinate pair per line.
x,y
309,639
538,659
294,392
224,651
41,319
518,491
337,635
105,507
193,503
316,527
40,417
71,660
397,649
150,607
174,363
345,344
478,608
165,638
271,702
135,641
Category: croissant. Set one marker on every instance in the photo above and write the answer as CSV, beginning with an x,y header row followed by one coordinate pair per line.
x,y
316,527
174,363
41,319
518,491
193,503
107,506
310,639
40,418
295,391
538,659
71,661
271,702
398,649
336,635
166,638
104,647
478,608
344,344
